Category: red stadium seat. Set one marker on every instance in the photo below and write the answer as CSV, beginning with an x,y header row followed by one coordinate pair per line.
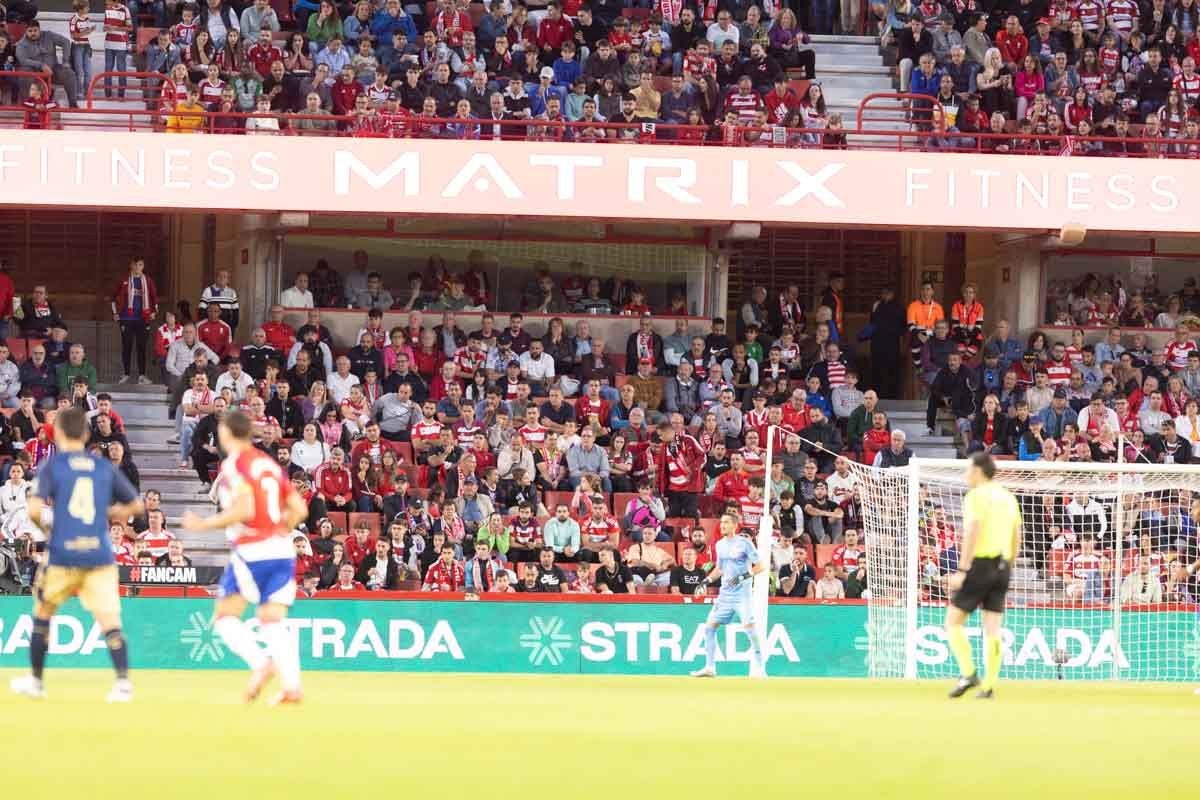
x,y
619,501
17,348
283,10
340,521
618,361
552,499
406,452
145,35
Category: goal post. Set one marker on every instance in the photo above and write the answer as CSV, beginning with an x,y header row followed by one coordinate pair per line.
x,y
1096,591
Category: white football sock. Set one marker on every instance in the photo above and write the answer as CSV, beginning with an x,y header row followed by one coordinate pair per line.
x,y
281,646
240,641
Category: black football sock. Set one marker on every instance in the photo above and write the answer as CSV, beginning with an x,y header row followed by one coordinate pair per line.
x,y
39,643
118,650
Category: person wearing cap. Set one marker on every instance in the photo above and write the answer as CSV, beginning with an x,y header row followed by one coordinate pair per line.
x,y
951,389
1057,415
540,94
1043,44
645,342
472,505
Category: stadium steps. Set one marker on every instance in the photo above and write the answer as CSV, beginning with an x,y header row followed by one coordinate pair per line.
x,y
147,427
849,68
909,416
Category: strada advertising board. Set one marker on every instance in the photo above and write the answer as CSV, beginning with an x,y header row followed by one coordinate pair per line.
x,y
809,640
596,182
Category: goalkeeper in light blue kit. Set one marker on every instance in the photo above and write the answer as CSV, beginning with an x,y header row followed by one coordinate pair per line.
x,y
737,564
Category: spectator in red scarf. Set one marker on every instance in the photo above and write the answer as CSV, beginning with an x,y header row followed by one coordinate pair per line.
x,y
134,304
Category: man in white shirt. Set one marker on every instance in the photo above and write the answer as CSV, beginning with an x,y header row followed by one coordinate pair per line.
x,y
1094,418
842,482
10,380
1087,516
235,380
537,367
339,382
197,402
298,296
723,30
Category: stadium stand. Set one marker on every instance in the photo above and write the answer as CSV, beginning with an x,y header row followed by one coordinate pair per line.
x,y
523,437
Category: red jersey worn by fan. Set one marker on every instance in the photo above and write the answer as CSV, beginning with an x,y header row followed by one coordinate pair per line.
x,y
846,558
751,510
682,467
443,578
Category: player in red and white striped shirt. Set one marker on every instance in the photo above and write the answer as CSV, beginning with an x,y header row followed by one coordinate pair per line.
x,y
1122,17
470,358
533,432
847,556
428,431
750,506
1086,571
598,530
1058,368
1090,14
211,86
118,22
1177,349
744,101
1187,82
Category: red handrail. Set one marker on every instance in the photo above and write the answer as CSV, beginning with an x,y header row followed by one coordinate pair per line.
x,y
162,82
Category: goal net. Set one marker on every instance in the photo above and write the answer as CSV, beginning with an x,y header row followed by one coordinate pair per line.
x,y
1097,592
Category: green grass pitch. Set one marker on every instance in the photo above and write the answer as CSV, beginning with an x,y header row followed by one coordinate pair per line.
x,y
364,735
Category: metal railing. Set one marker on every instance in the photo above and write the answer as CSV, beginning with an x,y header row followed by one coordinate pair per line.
x,y
917,126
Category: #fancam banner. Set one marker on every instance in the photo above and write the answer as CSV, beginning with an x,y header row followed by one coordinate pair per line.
x,y
170,576
568,638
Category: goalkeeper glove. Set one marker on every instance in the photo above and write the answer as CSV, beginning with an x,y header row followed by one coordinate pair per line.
x,y
738,580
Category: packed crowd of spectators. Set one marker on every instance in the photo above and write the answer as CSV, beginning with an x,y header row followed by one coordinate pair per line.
x,y
438,457
383,68
493,460
1062,71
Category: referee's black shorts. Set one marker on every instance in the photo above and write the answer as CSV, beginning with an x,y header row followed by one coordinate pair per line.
x,y
985,586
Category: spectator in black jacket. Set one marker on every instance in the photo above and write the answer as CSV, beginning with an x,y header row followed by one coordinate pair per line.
x,y
912,43
951,389
762,69
205,448
365,356
39,378
1153,82
254,356
989,429
819,431
642,343
887,326
38,314
286,409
